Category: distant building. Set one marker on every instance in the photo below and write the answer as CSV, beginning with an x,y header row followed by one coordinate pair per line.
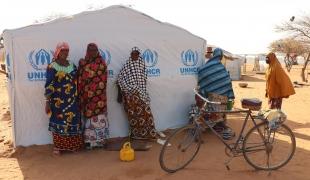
x,y
232,62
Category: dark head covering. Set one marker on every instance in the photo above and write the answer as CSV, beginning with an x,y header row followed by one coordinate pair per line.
x,y
87,56
217,55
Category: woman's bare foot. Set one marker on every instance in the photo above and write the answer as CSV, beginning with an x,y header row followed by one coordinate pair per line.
x,y
161,134
162,142
56,152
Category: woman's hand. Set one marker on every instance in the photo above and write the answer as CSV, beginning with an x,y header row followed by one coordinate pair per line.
x,y
47,108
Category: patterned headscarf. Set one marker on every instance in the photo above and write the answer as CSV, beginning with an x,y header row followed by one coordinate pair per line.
x,y
136,49
59,47
133,76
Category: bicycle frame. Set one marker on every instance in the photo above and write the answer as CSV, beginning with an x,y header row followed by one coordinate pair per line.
x,y
262,134
248,115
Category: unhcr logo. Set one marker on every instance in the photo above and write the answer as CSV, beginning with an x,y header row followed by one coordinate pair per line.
x,y
39,61
151,58
106,55
8,63
189,59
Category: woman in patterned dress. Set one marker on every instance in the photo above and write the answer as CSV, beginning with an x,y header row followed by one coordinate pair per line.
x,y
132,81
62,102
92,83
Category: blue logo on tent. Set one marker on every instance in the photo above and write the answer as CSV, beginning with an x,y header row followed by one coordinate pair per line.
x,y
8,66
151,58
39,61
189,59
8,63
106,55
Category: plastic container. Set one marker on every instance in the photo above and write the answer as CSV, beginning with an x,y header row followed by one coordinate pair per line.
x,y
127,153
230,104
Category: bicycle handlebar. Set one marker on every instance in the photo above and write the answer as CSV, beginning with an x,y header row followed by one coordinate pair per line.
x,y
205,99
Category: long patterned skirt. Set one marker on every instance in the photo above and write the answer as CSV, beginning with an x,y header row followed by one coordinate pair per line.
x,y
68,143
140,117
275,103
96,130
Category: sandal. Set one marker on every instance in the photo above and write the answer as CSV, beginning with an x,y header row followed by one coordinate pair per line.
x,y
218,129
228,134
88,146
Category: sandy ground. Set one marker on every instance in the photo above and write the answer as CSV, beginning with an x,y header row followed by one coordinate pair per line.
x,y
36,162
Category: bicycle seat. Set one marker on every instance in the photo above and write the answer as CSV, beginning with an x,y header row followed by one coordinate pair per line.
x,y
253,104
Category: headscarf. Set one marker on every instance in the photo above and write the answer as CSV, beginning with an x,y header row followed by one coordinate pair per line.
x,y
133,76
87,56
214,78
278,84
217,55
59,47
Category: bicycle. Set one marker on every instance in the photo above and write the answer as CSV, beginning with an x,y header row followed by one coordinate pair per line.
x,y
259,143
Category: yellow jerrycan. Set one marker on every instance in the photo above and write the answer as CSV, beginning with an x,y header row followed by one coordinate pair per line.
x,y
127,153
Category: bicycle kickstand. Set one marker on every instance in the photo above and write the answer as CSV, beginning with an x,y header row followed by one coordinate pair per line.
x,y
227,162
269,172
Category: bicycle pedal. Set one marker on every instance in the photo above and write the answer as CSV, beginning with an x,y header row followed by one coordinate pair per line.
x,y
269,173
227,162
199,140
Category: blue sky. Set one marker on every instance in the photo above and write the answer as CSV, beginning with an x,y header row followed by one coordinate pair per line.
x,y
239,26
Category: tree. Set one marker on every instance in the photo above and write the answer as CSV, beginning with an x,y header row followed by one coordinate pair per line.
x,y
299,30
291,48
288,46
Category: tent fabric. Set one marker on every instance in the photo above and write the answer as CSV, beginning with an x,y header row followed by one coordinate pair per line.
x,y
172,56
234,69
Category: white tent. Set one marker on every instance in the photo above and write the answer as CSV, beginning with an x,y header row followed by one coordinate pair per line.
x,y
234,67
260,64
172,56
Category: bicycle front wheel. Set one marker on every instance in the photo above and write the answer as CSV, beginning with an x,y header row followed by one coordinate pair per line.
x,y
269,149
180,149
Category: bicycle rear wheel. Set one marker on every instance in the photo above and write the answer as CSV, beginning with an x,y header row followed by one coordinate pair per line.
x,y
269,149
180,149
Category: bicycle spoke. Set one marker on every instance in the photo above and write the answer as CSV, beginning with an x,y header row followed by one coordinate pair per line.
x,y
181,151
255,149
273,137
267,159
